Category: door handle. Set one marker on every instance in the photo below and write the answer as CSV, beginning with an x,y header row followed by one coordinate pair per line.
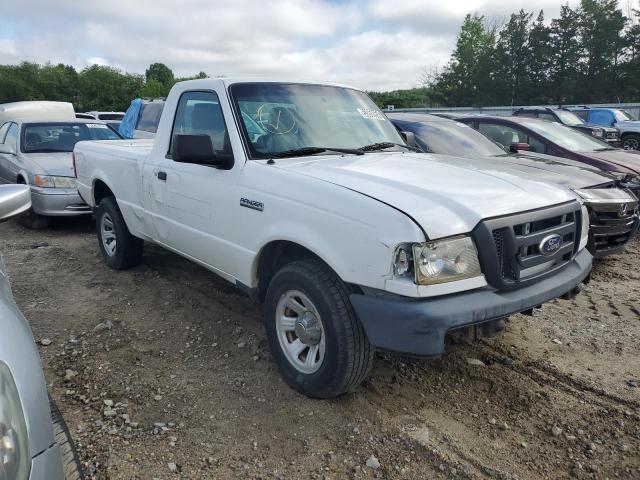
x,y
162,176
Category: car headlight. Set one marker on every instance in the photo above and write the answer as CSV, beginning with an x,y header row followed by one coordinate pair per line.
x,y
48,181
438,261
15,461
584,234
597,132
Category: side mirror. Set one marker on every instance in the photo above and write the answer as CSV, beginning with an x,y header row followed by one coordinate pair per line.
x,y
515,147
198,149
14,200
409,138
7,149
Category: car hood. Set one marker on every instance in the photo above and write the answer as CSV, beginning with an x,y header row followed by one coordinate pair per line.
x,y
625,158
443,197
19,352
539,167
58,164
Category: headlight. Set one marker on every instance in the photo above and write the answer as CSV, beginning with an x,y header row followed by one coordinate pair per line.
x,y
15,460
47,181
439,261
597,132
584,234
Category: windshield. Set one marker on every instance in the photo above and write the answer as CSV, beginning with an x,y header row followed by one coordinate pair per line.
x,y
569,118
622,116
279,117
450,138
566,137
110,116
62,137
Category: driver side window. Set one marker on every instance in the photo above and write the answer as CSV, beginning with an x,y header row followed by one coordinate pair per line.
x,y
199,113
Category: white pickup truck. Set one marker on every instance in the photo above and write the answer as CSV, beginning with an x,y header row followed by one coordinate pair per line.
x,y
305,196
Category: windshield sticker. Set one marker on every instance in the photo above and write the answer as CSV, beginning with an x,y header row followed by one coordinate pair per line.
x,y
371,114
96,125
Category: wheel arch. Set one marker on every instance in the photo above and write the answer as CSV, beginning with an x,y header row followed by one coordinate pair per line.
x,y
100,190
276,254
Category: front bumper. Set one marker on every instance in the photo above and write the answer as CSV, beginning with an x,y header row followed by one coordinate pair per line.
x,y
418,327
57,202
47,465
609,229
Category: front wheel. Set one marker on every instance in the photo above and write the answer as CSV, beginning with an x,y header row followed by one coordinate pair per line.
x,y
70,461
314,334
119,248
631,142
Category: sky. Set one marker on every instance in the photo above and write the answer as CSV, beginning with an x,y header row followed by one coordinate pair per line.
x,y
374,45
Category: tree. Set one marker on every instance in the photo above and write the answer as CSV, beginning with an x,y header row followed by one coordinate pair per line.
x,y
467,78
601,24
539,62
106,88
511,56
566,56
161,73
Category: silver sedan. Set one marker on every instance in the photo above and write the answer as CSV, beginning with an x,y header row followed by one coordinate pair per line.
x,y
38,153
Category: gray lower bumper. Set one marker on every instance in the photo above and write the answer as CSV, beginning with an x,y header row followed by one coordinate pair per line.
x,y
418,327
47,465
58,203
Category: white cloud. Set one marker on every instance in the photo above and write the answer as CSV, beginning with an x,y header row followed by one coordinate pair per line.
x,y
377,45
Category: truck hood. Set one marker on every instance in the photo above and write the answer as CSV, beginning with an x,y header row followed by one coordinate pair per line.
x,y
629,125
58,164
625,158
442,194
541,167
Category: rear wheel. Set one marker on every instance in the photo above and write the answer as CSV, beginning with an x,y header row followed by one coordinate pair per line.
x,y
70,460
631,142
120,249
313,331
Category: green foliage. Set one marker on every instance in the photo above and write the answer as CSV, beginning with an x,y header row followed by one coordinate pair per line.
x,y
94,88
415,97
589,54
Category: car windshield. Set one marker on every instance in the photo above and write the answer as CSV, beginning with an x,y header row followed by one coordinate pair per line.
x,y
62,137
449,137
283,117
569,118
622,116
566,137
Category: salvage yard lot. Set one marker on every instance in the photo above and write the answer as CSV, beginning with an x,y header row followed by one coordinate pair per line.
x,y
184,359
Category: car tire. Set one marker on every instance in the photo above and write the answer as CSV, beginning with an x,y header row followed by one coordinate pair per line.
x,y
70,460
342,356
120,250
34,221
631,142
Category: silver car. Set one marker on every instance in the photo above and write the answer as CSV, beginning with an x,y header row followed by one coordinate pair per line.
x,y
38,153
33,437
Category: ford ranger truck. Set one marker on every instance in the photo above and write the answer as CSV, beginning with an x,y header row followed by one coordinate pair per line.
x,y
306,197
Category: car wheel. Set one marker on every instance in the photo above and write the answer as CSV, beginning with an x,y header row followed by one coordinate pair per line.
x,y
120,249
33,221
631,142
70,461
314,333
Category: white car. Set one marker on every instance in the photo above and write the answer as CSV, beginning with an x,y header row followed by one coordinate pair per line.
x,y
306,197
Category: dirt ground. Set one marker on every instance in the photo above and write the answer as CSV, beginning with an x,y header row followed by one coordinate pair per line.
x,y
164,372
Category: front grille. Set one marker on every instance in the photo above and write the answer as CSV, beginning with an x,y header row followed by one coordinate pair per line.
x,y
611,227
509,247
612,135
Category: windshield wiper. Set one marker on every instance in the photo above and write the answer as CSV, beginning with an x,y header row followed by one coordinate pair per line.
x,y
304,151
384,145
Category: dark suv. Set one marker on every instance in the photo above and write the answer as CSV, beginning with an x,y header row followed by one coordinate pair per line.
x,y
610,135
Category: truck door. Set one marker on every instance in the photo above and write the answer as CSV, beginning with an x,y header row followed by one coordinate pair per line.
x,y
190,200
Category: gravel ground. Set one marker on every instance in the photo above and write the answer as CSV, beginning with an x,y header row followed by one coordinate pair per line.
x,y
163,371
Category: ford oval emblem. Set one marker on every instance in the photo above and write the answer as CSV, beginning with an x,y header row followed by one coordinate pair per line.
x,y
550,244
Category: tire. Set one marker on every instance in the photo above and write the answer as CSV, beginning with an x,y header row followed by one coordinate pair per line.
x,y
343,357
120,250
631,142
34,221
70,460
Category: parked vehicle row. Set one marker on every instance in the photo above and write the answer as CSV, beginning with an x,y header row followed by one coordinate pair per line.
x,y
628,127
